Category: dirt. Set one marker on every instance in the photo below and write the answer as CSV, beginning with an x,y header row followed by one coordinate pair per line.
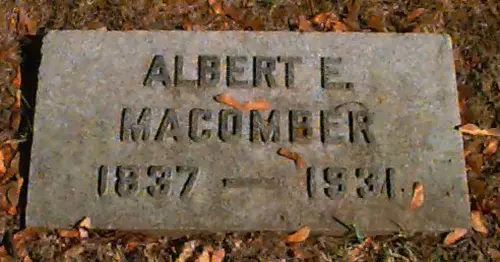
x,y
472,24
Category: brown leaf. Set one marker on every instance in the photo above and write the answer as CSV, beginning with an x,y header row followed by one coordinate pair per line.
x,y
377,23
69,233
357,253
298,160
418,196
15,120
415,14
325,20
454,236
85,223
340,27
299,236
472,147
218,255
472,129
16,82
304,24
491,148
84,233
218,7
475,162
352,15
74,251
25,21
477,222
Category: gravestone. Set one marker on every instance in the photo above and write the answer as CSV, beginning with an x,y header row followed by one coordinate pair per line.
x,y
130,130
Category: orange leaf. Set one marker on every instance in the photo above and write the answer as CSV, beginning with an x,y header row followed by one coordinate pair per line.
x,y
477,222
217,7
298,160
472,129
339,27
299,236
2,165
454,236
258,104
227,99
304,24
16,82
71,233
491,148
418,196
415,14
475,162
15,120
352,16
25,21
218,255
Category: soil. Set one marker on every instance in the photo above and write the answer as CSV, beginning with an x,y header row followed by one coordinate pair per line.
x,y
474,26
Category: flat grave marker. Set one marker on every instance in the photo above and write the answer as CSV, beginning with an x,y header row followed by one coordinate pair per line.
x,y
128,130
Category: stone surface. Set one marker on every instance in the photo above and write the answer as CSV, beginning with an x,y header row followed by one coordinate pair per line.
x,y
369,114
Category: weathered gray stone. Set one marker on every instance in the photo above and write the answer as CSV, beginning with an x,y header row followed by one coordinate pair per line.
x,y
380,116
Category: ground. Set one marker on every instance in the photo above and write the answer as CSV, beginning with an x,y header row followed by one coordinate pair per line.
x,y
474,26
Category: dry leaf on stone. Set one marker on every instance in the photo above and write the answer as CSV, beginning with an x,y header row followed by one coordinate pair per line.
x,y
85,223
491,148
218,255
257,104
415,14
454,236
477,222
25,21
227,99
297,159
418,196
472,129
299,236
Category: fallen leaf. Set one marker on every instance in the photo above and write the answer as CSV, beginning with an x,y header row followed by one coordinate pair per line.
x,y
477,222
2,165
85,223
475,162
415,14
454,236
418,196
17,79
74,251
218,255
494,253
339,27
17,105
69,233
29,24
84,233
352,16
187,251
15,120
204,257
298,160
356,253
218,7
257,104
472,147
227,99
377,23
491,148
299,236
27,259
472,129
325,20
304,24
